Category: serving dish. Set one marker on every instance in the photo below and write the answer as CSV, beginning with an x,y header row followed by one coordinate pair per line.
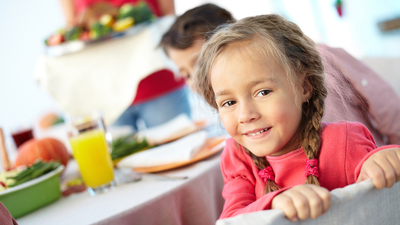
x,y
36,193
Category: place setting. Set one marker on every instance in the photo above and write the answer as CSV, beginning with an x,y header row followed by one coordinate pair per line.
x,y
103,160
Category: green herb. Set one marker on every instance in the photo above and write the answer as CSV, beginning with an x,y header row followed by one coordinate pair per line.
x,y
127,145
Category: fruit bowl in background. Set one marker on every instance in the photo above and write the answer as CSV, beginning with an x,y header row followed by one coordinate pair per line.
x,y
33,194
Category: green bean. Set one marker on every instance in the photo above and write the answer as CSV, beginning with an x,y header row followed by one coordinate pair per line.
x,y
39,171
127,145
23,180
31,172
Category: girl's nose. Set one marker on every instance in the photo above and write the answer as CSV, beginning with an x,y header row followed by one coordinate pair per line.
x,y
248,113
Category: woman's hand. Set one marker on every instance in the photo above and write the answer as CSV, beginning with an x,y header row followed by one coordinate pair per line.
x,y
382,167
303,202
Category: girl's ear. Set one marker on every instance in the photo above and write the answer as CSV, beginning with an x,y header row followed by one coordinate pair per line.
x,y
307,89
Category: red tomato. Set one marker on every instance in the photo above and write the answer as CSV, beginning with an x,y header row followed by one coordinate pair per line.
x,y
85,36
55,39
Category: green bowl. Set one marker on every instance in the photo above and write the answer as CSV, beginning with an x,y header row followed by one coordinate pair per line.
x,y
33,194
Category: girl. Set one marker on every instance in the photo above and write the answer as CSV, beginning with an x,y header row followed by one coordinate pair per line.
x,y
350,97
266,79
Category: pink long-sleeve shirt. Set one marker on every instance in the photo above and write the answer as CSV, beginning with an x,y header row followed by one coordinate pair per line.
x,y
345,146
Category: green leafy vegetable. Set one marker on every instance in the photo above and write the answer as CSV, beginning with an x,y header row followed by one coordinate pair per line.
x,y
141,12
31,172
127,145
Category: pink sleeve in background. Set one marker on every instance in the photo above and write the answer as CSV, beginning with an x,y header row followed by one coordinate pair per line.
x,y
5,216
356,93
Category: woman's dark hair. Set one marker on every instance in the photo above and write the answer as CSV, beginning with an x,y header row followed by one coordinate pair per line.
x,y
196,23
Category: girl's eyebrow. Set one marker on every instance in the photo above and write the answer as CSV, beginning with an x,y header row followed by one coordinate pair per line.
x,y
266,80
251,84
223,92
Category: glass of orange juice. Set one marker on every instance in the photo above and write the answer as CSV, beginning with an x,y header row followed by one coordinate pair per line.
x,y
91,151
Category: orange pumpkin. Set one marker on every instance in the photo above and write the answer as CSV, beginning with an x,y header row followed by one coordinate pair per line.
x,y
47,149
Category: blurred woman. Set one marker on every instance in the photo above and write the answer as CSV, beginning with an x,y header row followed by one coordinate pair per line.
x,y
159,90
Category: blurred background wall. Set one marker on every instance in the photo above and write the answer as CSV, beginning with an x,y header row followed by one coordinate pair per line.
x,y
24,24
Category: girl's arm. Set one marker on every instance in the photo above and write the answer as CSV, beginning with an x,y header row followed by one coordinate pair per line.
x,y
299,202
240,198
365,160
241,185
239,190
382,167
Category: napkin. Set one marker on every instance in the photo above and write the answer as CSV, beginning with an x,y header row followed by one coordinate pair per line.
x,y
169,131
177,151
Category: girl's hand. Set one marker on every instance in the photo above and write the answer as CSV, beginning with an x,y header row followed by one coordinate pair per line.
x,y
382,167
303,201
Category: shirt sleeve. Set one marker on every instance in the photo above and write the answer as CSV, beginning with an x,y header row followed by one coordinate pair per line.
x,y
383,102
5,216
239,188
380,101
360,145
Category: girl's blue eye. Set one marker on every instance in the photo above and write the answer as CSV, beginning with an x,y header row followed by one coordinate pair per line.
x,y
228,103
264,92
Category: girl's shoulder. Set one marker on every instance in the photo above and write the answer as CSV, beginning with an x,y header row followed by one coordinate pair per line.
x,y
345,127
233,149
235,162
235,154
346,131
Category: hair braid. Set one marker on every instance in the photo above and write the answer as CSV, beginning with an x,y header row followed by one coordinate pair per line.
x,y
312,130
262,163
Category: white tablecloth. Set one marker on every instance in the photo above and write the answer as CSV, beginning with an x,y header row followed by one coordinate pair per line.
x,y
153,200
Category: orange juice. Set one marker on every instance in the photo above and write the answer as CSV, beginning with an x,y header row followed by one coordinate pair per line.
x,y
90,150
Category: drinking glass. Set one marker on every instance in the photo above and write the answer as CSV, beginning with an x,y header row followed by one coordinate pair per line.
x,y
21,135
87,136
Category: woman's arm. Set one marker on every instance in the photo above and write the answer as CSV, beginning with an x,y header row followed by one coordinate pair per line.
x,y
167,7
68,8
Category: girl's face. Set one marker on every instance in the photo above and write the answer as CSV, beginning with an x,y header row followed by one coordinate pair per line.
x,y
257,103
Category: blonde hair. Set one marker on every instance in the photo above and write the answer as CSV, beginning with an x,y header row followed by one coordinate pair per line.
x,y
274,38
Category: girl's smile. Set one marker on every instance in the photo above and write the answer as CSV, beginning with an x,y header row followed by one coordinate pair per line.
x,y
257,133
258,104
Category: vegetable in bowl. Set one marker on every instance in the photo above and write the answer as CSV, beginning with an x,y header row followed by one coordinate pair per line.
x,y
20,175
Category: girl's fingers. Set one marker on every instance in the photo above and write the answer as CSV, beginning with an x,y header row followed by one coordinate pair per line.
x,y
314,201
301,204
376,173
362,176
395,163
383,168
324,195
389,173
287,206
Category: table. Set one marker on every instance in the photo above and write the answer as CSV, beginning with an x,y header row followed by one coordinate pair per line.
x,y
153,200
